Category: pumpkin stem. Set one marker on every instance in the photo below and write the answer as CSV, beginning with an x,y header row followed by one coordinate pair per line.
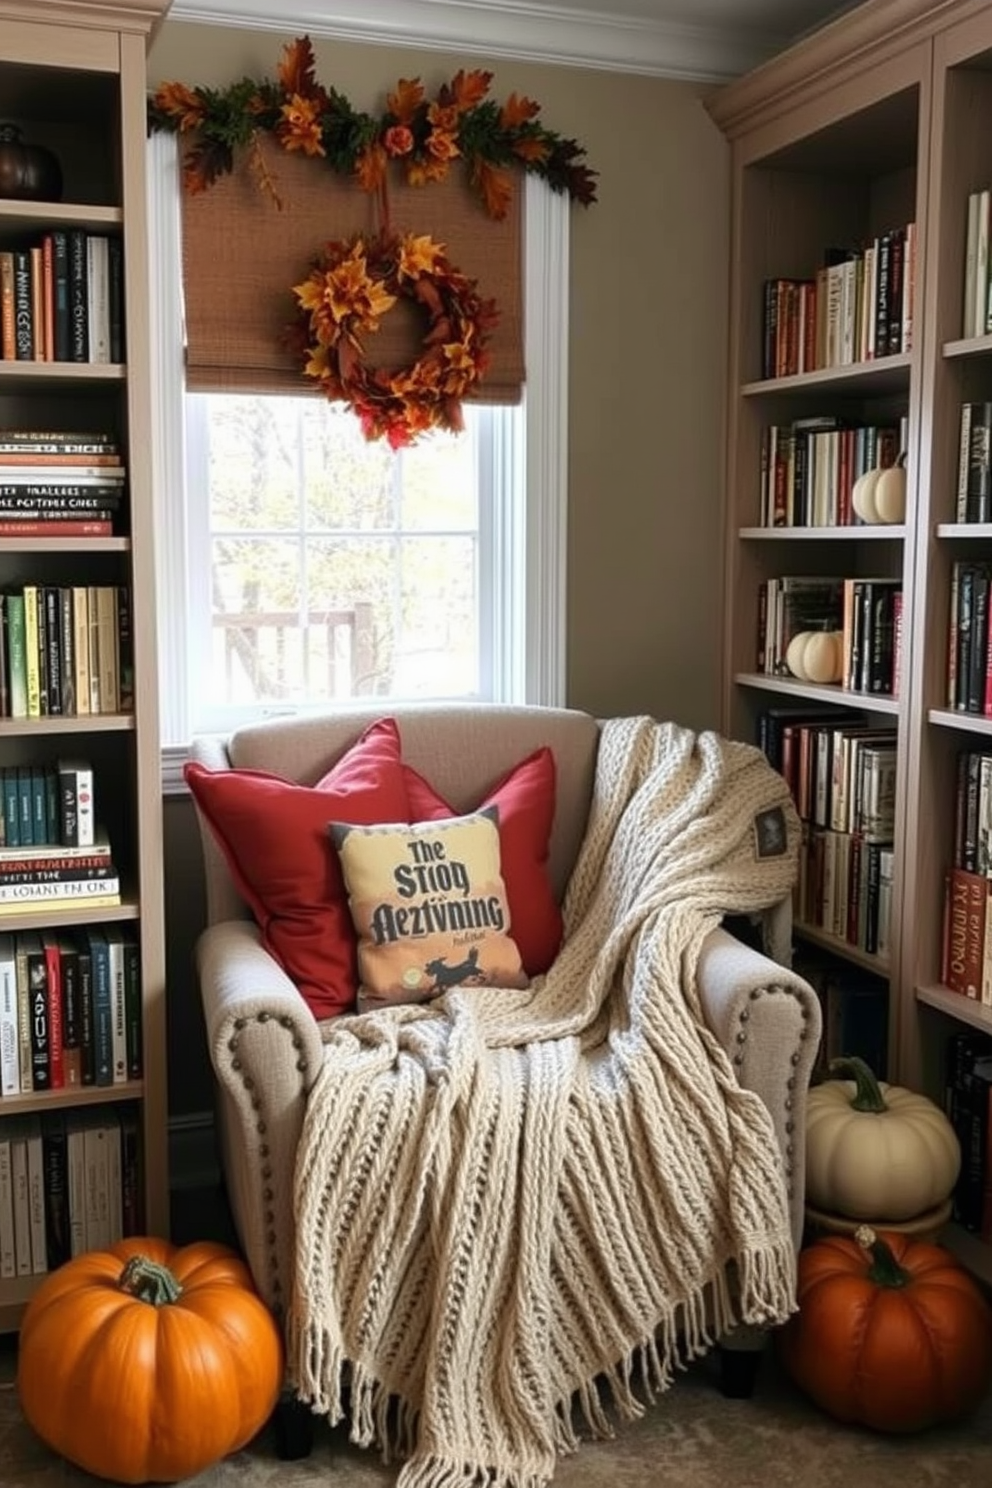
x,y
149,1281
885,1270
868,1096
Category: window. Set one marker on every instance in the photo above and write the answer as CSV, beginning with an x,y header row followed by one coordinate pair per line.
x,y
300,566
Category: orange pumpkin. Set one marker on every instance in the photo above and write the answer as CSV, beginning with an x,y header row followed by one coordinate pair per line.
x,y
146,1363
890,1332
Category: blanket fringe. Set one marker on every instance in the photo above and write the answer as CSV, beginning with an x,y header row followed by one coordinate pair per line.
x,y
439,1472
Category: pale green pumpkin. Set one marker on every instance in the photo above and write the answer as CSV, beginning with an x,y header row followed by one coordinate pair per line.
x,y
876,1151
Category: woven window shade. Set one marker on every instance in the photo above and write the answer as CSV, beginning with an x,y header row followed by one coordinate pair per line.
x,y
242,254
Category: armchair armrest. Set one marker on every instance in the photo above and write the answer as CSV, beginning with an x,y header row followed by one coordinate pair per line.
x,y
767,1018
266,1051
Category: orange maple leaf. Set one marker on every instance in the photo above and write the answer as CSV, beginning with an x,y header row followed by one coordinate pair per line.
x,y
181,103
517,111
495,188
531,149
407,98
296,70
466,89
370,167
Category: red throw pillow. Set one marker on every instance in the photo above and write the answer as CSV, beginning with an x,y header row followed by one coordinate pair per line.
x,y
525,800
274,836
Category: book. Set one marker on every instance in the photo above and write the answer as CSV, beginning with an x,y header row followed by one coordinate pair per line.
x,y
76,822
40,527
8,348
58,1244
965,949
60,295
78,297
53,978
8,1253
23,316
10,1069
98,301
118,1003
58,854
103,1032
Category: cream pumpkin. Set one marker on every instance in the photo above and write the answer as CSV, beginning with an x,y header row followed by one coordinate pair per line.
x,y
816,655
876,1151
879,495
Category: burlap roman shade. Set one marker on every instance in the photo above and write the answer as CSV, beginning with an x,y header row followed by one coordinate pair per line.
x,y
242,254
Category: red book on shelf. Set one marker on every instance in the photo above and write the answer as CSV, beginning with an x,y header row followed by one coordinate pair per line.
x,y
53,966
965,956
70,528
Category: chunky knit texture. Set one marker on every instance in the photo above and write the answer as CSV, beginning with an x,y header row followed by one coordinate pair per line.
x,y
516,1208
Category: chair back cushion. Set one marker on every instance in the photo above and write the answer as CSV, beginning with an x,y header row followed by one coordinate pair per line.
x,y
462,750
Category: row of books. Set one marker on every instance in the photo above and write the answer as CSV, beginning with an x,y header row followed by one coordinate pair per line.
x,y
973,501
809,467
858,307
976,317
70,1009
70,1182
863,614
841,773
968,1107
969,653
66,650
47,811
60,484
62,298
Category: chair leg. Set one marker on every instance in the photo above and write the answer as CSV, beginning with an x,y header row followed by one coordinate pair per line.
x,y
293,1421
739,1372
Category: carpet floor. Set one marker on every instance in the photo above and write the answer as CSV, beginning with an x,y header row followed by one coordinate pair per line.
x,y
691,1438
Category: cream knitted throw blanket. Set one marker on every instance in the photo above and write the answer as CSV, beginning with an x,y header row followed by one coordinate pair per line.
x,y
512,1205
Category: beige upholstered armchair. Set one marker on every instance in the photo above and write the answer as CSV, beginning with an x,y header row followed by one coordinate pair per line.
x,y
265,1044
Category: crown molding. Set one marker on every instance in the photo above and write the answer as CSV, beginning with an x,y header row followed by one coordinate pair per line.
x,y
503,28
858,37
122,15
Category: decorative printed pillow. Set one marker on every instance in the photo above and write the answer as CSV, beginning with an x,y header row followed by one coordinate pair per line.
x,y
429,906
273,834
525,800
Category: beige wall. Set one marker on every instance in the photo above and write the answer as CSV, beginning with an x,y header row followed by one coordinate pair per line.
x,y
647,327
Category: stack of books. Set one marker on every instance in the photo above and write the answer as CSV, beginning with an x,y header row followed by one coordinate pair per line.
x,y
52,854
59,483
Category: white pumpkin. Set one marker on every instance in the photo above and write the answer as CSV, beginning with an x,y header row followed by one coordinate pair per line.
x,y
816,655
890,493
876,1151
863,495
879,495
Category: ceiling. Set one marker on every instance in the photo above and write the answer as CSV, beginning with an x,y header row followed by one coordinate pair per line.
x,y
705,40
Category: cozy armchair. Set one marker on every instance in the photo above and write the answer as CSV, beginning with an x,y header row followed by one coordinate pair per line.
x,y
265,1044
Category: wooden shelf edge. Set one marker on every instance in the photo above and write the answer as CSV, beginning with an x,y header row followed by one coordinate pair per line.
x,y
808,691
956,1005
71,1096
975,723
855,954
70,723
794,534
964,529
892,370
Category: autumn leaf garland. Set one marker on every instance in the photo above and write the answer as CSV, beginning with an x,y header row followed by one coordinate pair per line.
x,y
423,135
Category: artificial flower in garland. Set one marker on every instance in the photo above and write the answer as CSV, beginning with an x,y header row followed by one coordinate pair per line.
x,y
351,286
424,136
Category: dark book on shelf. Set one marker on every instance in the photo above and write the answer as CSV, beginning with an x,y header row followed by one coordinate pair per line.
x,y
23,311
60,295
978,497
55,1167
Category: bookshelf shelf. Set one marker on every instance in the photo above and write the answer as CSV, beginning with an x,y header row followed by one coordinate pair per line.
x,y
79,1095
973,723
76,723
56,373
887,375
864,702
858,957
894,533
75,76
971,346
962,1009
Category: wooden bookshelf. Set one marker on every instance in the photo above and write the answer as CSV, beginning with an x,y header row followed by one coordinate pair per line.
x,y
73,76
882,117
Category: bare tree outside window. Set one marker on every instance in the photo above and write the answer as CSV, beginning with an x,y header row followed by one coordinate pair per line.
x,y
338,568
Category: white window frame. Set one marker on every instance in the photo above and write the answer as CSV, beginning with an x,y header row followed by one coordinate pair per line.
x,y
528,540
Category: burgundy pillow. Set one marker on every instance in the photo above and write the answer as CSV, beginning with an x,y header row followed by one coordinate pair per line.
x,y
525,800
274,836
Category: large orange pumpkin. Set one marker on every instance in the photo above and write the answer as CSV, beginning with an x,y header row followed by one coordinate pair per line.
x,y
891,1332
146,1363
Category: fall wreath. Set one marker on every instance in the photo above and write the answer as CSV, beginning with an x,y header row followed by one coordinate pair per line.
x,y
350,287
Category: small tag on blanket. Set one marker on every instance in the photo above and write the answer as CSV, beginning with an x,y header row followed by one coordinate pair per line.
x,y
770,835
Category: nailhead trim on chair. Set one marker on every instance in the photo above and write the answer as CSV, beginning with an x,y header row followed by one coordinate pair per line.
x,y
249,1084
738,1060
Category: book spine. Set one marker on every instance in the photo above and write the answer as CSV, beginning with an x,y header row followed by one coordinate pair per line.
x,y
61,320
8,1255
78,319
8,341
60,891
23,319
10,1069
58,1245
